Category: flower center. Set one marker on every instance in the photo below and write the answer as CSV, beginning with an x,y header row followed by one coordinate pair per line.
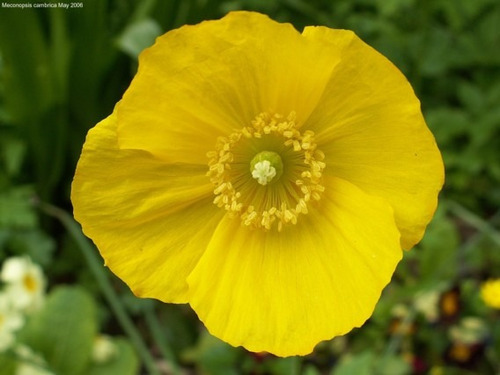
x,y
266,166
30,283
284,177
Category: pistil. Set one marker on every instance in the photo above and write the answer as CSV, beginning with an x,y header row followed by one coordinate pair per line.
x,y
266,167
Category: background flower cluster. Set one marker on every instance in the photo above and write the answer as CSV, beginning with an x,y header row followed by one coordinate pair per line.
x,y
38,330
61,71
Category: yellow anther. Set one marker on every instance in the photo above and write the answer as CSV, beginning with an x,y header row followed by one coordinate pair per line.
x,y
225,172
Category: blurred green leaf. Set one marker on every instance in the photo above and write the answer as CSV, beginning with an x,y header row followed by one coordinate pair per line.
x,y
35,95
489,36
393,365
368,363
34,243
16,209
471,96
311,370
26,70
177,325
138,36
64,330
360,364
281,366
60,51
12,152
393,7
460,12
214,356
447,123
435,51
124,363
4,236
92,58
7,364
438,249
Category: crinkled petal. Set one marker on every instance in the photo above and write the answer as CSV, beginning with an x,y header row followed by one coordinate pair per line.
x,y
370,126
203,81
150,220
283,292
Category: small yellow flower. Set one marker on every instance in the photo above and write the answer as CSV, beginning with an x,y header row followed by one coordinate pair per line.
x,y
267,177
490,292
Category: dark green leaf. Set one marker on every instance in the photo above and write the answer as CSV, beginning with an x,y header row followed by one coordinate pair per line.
x,y
12,151
438,249
360,364
34,243
392,365
16,209
7,364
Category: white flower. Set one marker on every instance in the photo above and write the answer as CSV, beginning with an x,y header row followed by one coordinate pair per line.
x,y
470,331
400,311
104,349
25,283
426,303
10,321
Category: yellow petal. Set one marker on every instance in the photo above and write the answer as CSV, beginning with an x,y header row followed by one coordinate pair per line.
x,y
150,220
370,126
199,82
283,292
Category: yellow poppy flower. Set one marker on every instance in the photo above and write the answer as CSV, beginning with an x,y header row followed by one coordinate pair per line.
x,y
267,177
490,293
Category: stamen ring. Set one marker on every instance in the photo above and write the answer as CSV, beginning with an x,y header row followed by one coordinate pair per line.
x,y
266,167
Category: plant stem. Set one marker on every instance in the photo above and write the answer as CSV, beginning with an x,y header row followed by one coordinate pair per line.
x,y
394,344
474,220
95,265
155,329
296,364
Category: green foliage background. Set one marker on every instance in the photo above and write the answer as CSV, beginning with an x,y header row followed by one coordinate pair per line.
x,y
61,71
